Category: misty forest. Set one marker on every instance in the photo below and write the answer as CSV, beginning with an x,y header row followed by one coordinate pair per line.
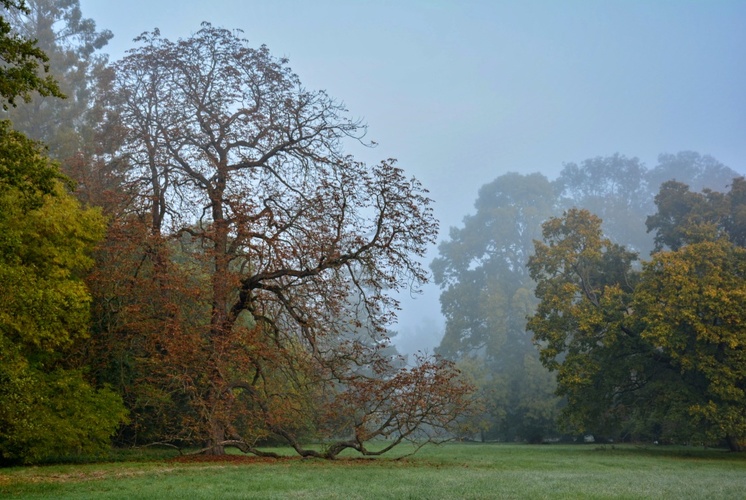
x,y
190,258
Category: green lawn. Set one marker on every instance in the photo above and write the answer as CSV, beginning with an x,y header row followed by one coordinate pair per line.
x,y
449,471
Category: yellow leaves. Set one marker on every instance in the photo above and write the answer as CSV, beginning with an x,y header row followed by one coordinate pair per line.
x,y
572,379
696,286
43,301
681,321
65,231
691,303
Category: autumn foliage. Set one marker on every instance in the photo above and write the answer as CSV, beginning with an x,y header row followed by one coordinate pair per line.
x,y
244,291
657,351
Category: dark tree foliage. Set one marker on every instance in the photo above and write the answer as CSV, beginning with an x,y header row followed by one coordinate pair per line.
x,y
685,217
585,284
24,65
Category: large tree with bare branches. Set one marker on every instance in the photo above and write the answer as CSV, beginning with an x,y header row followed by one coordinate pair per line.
x,y
289,249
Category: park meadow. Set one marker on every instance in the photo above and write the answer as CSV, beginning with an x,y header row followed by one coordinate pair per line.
x,y
454,470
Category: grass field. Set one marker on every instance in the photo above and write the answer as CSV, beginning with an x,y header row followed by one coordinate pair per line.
x,y
448,471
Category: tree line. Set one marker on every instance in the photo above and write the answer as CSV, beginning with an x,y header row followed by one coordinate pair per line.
x,y
190,258
608,301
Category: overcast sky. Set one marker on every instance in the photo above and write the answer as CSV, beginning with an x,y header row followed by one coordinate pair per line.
x,y
464,91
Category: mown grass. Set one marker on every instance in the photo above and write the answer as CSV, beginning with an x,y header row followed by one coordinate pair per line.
x,y
449,471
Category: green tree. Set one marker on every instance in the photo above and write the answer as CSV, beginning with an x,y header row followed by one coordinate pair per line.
x,y
691,307
691,300
585,284
655,353
481,268
486,295
686,217
46,406
24,69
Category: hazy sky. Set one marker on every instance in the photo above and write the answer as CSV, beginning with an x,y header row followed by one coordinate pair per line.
x,y
462,92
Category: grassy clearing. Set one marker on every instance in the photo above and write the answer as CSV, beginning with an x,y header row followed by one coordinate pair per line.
x,y
450,471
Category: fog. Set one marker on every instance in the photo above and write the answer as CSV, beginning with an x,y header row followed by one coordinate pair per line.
x,y
463,92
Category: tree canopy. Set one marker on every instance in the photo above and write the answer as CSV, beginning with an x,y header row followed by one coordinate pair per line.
x,y
486,297
24,69
260,247
47,406
587,269
659,350
71,44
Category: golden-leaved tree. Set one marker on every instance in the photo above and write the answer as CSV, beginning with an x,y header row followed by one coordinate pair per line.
x,y
47,407
659,351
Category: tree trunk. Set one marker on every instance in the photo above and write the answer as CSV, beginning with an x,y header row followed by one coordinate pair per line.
x,y
219,327
216,439
736,443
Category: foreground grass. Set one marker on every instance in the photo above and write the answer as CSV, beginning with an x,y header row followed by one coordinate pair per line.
x,y
449,471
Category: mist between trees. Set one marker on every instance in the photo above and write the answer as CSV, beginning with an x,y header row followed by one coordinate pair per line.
x,y
221,272
607,351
